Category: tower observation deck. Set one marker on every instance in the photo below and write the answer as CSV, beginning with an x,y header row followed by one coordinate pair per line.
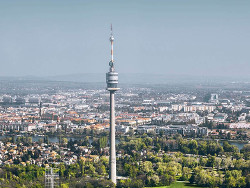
x,y
112,86
112,76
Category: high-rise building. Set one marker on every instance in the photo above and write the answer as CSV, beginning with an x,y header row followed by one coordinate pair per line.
x,y
214,98
112,82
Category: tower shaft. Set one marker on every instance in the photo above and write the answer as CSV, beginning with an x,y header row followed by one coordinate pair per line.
x,y
112,158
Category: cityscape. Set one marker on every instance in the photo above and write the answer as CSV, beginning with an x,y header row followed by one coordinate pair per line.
x,y
69,126
61,128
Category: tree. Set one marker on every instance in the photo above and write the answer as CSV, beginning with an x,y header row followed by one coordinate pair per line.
x,y
128,183
211,161
247,180
214,148
246,151
203,161
202,148
153,180
90,169
64,141
147,167
193,145
186,173
227,147
101,169
131,170
29,140
234,178
168,178
62,170
64,185
158,147
89,185
217,163
202,177
37,154
102,142
226,163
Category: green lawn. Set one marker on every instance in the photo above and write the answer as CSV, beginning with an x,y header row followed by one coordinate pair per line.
x,y
178,185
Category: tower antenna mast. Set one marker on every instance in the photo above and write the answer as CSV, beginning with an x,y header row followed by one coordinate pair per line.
x,y
111,63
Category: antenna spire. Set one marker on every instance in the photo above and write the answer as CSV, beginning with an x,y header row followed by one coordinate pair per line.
x,y
111,63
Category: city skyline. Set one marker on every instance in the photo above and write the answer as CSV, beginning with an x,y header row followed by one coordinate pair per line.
x,y
178,117
194,38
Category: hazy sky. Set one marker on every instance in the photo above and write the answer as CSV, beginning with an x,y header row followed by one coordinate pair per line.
x,y
177,37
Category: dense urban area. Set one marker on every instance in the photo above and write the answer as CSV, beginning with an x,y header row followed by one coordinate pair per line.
x,y
191,134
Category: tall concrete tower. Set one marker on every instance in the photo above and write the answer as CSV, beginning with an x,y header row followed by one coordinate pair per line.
x,y
112,81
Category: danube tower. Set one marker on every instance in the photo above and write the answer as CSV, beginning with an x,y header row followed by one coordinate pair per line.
x,y
112,81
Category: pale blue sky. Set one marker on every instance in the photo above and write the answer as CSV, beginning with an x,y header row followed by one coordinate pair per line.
x,y
178,37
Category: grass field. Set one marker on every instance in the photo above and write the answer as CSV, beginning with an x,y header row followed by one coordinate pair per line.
x,y
178,185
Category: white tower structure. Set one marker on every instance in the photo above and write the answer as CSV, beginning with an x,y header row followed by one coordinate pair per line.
x,y
112,81
51,178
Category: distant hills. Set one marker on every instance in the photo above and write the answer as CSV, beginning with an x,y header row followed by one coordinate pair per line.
x,y
130,78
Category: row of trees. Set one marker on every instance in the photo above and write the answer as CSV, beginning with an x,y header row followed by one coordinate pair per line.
x,y
145,161
179,144
165,170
